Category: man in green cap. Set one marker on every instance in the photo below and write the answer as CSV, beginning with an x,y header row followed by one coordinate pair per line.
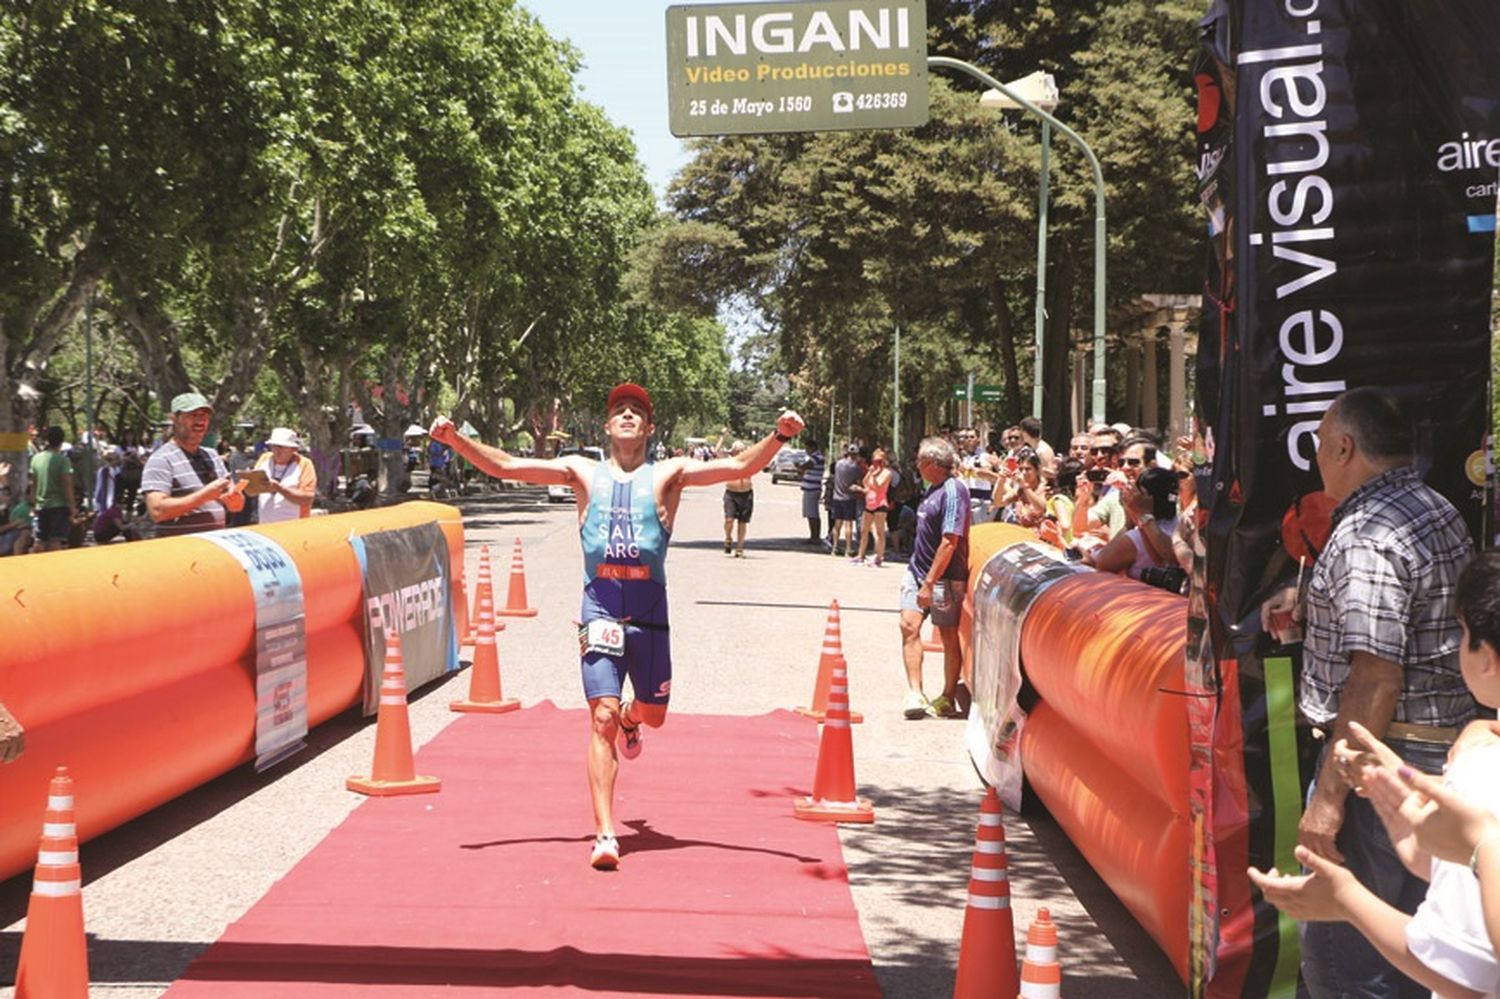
x,y
186,486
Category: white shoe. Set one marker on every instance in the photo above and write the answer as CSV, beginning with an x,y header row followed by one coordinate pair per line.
x,y
915,706
606,855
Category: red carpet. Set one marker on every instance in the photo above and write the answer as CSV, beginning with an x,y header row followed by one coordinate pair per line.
x,y
486,885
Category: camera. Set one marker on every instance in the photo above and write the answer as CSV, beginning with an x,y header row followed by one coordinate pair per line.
x,y
1097,474
1170,578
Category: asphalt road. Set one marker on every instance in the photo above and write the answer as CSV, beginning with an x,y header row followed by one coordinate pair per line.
x,y
747,633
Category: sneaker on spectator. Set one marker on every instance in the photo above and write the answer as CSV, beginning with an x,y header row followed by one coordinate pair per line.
x,y
915,706
606,855
942,706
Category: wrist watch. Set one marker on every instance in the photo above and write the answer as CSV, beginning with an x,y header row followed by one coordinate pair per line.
x,y
781,436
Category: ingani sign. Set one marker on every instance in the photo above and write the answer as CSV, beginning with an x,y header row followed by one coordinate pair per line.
x,y
796,66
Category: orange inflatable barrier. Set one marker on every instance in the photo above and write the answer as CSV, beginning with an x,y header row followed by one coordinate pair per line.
x,y
1135,839
1107,748
134,665
1108,652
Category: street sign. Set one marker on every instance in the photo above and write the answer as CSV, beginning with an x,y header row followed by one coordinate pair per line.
x,y
796,66
982,393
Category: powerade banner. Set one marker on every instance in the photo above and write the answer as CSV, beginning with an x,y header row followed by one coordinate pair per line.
x,y
406,590
280,642
1348,156
1006,588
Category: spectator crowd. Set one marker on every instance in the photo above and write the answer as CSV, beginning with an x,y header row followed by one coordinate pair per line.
x,y
175,485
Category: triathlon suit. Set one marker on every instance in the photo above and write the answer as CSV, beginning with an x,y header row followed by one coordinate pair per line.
x,y
624,579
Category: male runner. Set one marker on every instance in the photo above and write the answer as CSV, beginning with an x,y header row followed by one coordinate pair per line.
x,y
626,506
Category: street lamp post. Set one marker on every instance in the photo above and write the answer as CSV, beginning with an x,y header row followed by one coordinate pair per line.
x,y
1041,89
1099,228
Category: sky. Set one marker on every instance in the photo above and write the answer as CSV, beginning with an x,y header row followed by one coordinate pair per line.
x,y
624,48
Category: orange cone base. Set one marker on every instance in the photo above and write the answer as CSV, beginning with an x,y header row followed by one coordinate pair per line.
x,y
54,955
858,810
487,707
854,716
388,788
513,612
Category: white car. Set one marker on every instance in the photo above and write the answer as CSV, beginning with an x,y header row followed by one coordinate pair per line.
x,y
788,464
564,494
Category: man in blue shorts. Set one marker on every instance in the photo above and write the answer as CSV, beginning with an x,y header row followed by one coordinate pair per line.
x,y
626,506
935,579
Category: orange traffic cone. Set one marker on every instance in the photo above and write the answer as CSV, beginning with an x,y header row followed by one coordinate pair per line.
x,y
484,675
54,952
515,600
987,955
1041,975
833,798
483,587
833,650
394,771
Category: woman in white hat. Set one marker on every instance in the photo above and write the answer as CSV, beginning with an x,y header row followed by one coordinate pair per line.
x,y
293,479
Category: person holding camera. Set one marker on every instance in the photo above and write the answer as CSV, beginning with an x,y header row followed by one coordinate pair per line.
x,y
1151,510
1021,498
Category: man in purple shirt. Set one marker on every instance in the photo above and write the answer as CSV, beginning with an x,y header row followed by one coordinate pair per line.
x,y
936,577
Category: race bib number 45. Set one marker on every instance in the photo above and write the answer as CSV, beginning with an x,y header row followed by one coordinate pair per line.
x,y
604,636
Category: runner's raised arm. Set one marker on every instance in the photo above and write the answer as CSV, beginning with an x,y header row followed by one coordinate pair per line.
x,y
572,470
742,465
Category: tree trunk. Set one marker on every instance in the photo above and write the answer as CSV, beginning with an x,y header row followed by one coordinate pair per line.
x,y
1005,327
1057,362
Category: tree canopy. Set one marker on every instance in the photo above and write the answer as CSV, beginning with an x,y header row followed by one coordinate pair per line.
x,y
840,237
314,203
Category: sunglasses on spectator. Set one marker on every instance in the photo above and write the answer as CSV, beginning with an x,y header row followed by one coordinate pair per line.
x,y
1101,450
1132,462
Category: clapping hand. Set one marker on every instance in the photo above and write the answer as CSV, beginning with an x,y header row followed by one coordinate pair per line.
x,y
1441,823
790,424
1322,895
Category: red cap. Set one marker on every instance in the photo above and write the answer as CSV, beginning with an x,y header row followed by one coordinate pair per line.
x,y
628,392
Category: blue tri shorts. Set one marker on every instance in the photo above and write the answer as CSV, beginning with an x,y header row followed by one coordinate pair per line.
x,y
647,661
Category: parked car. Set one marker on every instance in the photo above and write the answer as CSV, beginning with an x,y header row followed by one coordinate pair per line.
x,y
562,494
788,465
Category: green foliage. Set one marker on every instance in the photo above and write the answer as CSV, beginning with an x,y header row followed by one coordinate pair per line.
x,y
839,237
298,204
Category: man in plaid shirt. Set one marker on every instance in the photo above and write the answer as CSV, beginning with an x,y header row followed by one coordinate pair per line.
x,y
1381,649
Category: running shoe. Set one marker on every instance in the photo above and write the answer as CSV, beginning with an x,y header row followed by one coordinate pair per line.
x,y
739,553
915,706
856,561
878,562
630,735
728,548
606,855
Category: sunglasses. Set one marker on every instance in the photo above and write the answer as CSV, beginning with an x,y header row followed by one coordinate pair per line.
x,y
1101,450
1132,462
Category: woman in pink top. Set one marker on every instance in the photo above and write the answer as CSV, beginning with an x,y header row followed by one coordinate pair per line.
x,y
877,505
